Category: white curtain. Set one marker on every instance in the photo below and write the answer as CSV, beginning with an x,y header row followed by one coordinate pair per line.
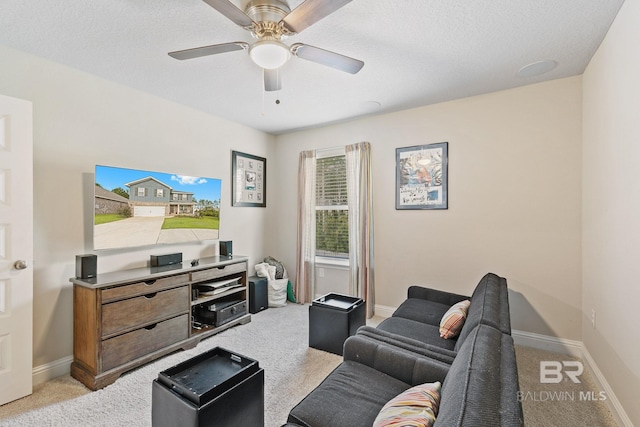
x,y
306,247
360,201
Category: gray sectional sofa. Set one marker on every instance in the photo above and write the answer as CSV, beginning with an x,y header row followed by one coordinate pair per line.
x,y
418,317
477,370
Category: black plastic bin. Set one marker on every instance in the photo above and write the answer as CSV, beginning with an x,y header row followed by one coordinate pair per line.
x,y
217,388
332,319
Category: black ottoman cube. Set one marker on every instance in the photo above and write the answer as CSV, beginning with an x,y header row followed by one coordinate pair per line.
x,y
215,389
332,319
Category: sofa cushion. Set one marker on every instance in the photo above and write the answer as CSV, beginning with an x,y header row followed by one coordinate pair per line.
x,y
435,295
352,395
421,310
481,388
417,406
453,320
426,334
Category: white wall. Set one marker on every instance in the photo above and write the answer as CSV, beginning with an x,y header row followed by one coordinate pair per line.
x,y
514,200
80,121
611,208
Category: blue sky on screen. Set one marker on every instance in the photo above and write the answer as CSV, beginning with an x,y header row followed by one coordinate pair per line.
x,y
202,188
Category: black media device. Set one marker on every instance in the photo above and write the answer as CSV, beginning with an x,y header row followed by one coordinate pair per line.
x,y
226,248
167,259
86,266
220,312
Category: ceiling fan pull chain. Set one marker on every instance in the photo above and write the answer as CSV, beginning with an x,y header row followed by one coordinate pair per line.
x,y
279,86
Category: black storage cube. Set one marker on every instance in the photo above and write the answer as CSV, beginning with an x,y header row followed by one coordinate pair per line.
x,y
215,389
258,294
332,319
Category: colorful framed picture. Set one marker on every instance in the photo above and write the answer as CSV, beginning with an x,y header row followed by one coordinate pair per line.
x,y
248,180
421,177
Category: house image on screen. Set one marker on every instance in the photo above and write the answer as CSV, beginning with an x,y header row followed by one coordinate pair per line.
x,y
150,197
107,202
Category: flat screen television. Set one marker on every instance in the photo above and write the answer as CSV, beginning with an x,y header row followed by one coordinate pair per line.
x,y
134,208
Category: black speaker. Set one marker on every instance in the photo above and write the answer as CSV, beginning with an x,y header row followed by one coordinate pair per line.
x,y
86,266
258,296
166,259
226,248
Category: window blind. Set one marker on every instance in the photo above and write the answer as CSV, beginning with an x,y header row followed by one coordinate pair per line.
x,y
332,215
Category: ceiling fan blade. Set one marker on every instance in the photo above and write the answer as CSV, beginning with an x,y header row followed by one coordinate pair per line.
x,y
310,12
271,80
215,49
328,58
230,10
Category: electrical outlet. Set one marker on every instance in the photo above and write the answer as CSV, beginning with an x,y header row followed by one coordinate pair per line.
x,y
321,272
593,318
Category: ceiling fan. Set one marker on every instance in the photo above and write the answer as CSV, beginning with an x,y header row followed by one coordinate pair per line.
x,y
270,21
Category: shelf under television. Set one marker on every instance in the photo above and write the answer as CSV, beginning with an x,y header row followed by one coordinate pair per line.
x,y
203,299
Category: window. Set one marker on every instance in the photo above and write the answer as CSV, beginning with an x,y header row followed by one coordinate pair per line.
x,y
141,192
159,192
332,213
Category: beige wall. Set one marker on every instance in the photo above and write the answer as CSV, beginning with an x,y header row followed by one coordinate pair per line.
x,y
611,208
518,165
514,189
80,121
514,200
519,162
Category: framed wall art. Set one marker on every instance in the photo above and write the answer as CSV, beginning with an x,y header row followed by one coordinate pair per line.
x,y
248,180
421,176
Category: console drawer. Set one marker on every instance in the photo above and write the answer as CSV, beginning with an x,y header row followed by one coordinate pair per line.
x,y
143,287
127,347
128,314
214,273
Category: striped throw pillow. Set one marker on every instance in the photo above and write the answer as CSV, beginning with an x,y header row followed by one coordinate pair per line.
x,y
453,320
415,407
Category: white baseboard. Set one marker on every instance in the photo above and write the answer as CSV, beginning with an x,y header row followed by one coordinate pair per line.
x,y
545,342
49,371
576,349
615,407
384,310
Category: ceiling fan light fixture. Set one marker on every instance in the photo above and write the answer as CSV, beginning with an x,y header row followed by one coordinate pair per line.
x,y
269,54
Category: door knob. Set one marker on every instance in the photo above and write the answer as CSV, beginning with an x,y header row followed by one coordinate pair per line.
x,y
20,264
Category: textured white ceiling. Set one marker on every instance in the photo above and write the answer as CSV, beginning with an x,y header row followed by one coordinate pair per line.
x,y
416,52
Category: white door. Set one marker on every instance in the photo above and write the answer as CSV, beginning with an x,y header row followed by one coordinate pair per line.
x,y
16,249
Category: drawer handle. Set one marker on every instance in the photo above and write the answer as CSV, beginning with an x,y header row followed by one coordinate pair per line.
x,y
149,296
222,267
149,282
150,327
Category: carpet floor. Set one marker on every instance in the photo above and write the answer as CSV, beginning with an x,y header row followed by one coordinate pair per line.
x,y
278,339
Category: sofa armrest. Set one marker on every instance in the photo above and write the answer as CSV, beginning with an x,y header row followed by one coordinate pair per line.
x,y
427,350
404,365
435,295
